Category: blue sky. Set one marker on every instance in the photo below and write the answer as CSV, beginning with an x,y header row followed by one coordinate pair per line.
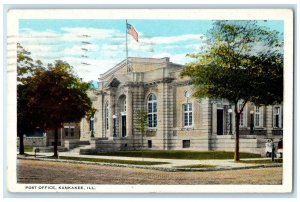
x,y
50,40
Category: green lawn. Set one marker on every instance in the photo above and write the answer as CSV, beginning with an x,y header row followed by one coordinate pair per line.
x,y
196,166
262,161
195,155
112,161
28,149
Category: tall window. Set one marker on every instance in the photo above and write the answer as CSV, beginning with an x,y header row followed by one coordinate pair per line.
x,y
277,117
66,131
187,114
152,111
106,116
258,116
124,106
72,131
242,116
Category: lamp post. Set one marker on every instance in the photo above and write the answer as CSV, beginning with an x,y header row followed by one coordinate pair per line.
x,y
251,122
230,121
92,126
115,120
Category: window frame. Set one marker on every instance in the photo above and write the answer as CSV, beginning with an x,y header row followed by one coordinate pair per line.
x,y
259,114
189,113
243,116
124,105
72,132
66,131
149,143
279,117
186,144
152,115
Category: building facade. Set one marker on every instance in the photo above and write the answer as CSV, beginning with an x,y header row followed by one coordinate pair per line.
x,y
69,132
175,119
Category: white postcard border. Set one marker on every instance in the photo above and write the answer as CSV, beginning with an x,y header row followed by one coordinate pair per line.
x,y
286,15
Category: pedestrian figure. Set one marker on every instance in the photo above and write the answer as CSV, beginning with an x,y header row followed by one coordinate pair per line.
x,y
268,149
273,149
280,148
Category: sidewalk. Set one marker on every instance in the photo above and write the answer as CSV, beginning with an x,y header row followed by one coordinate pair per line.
x,y
173,164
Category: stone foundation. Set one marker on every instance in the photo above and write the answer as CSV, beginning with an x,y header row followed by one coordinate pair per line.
x,y
33,141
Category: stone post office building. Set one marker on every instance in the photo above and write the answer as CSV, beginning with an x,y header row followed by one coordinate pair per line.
x,y
176,119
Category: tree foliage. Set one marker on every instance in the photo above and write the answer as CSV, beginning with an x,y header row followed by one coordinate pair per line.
x,y
142,117
48,96
25,118
58,96
244,62
26,67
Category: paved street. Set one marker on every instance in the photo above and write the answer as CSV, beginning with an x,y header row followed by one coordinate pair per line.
x,y
31,171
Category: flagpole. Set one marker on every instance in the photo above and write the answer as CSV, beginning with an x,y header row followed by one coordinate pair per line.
x,y
126,46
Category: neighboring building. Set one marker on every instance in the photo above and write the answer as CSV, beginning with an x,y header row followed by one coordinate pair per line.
x,y
176,119
69,131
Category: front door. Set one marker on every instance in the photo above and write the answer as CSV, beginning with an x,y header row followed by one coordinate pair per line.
x,y
123,126
219,121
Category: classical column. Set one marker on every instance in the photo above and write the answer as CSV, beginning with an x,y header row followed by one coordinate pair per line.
x,y
82,134
214,118
269,120
99,115
129,113
111,113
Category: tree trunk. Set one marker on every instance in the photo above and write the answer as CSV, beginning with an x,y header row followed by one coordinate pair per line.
x,y
55,143
237,134
21,144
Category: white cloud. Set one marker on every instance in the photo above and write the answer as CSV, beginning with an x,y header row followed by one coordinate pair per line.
x,y
86,33
176,58
172,39
29,33
80,49
107,48
94,68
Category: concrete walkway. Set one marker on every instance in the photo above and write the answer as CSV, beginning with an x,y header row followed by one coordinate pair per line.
x,y
172,164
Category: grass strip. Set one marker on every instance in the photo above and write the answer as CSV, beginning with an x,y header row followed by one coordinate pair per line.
x,y
178,154
262,161
28,149
112,161
196,166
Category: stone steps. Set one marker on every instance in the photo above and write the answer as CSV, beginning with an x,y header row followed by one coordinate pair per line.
x,y
77,149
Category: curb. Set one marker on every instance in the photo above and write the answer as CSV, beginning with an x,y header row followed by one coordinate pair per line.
x,y
174,169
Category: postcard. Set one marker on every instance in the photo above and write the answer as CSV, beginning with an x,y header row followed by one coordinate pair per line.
x,y
150,100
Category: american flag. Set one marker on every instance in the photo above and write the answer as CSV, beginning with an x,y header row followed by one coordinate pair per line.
x,y
132,32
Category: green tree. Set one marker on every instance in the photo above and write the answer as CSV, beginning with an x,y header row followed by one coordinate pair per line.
x,y
58,96
243,63
24,63
26,68
25,118
142,117
90,115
